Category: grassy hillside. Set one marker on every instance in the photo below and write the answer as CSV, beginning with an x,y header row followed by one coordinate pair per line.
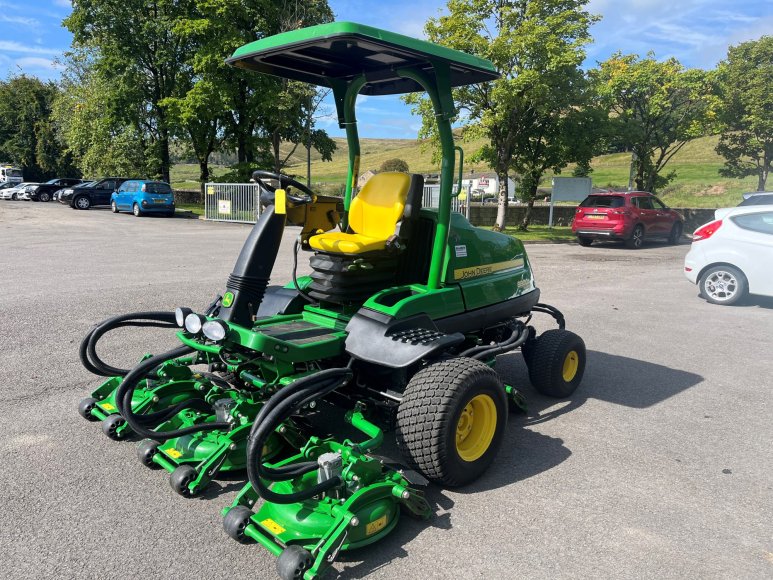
x,y
698,183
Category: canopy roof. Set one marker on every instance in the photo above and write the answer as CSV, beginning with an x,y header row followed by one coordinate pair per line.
x,y
342,51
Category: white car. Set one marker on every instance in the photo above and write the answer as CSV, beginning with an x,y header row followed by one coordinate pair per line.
x,y
749,199
732,256
14,192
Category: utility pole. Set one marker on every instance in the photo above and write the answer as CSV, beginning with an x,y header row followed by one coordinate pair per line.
x,y
632,172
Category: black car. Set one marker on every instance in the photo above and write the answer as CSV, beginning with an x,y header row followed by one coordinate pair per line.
x,y
45,191
96,193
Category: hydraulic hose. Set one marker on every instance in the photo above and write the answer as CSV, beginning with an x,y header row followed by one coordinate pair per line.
x,y
141,423
279,408
88,347
516,339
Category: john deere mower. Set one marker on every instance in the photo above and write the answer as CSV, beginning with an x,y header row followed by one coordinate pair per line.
x,y
399,325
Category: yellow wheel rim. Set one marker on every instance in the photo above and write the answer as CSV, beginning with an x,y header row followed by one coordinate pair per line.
x,y
571,364
476,427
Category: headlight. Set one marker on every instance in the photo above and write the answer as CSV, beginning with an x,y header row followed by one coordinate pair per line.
x,y
67,191
215,330
180,314
194,322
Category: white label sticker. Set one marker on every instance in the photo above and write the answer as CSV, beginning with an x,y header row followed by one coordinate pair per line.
x,y
224,206
461,251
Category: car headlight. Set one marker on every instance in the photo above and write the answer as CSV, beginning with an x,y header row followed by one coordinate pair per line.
x,y
215,330
180,314
67,191
194,322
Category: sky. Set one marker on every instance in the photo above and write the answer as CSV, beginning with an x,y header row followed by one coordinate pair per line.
x,y
697,32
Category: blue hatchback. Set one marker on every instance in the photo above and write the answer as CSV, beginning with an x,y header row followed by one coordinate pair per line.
x,y
142,196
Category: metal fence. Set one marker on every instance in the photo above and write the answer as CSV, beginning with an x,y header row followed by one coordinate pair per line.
x,y
239,202
458,204
232,202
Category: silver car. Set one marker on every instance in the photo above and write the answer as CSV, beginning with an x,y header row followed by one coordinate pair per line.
x,y
16,191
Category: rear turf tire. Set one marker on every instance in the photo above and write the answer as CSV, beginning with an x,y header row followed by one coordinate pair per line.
x,y
557,363
452,420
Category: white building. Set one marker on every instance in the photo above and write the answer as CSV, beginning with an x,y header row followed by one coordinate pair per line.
x,y
484,185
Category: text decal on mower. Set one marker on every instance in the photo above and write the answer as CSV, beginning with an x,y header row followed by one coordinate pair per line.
x,y
475,271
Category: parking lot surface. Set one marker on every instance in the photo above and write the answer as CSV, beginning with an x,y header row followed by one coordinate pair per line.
x,y
659,466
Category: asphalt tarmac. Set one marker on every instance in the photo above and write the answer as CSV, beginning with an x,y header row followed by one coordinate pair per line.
x,y
659,466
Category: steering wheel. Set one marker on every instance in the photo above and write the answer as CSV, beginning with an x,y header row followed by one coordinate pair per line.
x,y
267,191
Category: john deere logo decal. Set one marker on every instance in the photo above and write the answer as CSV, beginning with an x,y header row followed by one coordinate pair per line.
x,y
228,299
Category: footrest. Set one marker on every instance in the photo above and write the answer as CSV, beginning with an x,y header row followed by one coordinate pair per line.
x,y
396,343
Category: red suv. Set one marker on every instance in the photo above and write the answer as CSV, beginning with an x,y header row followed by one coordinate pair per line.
x,y
630,216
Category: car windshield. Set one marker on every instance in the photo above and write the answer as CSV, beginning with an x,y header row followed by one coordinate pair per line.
x,y
763,199
51,181
156,187
13,172
86,184
603,201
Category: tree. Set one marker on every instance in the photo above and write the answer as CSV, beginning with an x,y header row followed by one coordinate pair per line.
x,y
746,110
134,45
27,137
538,47
655,108
394,165
102,128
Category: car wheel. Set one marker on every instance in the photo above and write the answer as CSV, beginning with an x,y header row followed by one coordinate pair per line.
x,y
584,241
113,207
44,197
13,197
637,238
82,202
723,285
136,210
676,234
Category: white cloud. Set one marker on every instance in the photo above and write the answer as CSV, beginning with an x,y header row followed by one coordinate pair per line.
x,y
23,20
13,46
38,63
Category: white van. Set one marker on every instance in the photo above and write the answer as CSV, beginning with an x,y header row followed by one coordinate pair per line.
x,y
10,174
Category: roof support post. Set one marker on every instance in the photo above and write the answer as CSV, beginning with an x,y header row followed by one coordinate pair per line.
x,y
345,95
439,91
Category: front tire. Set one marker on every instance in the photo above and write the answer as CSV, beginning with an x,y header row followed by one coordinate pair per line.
x,y
636,240
676,234
723,285
44,197
556,363
452,420
113,207
136,210
82,202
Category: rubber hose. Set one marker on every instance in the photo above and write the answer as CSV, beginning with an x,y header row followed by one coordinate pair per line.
x,y
511,343
274,407
283,405
476,349
139,423
87,351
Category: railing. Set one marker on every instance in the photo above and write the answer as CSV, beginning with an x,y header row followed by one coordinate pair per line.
x,y
431,199
232,202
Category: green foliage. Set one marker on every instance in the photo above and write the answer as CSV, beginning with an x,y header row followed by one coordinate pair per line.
x,y
27,136
394,164
746,111
529,113
655,108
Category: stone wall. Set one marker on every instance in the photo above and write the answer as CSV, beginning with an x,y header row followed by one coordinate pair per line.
x,y
485,215
188,196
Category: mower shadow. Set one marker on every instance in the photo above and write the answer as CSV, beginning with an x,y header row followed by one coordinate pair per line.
x,y
615,379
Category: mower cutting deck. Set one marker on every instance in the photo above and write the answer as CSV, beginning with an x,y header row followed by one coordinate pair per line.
x,y
400,323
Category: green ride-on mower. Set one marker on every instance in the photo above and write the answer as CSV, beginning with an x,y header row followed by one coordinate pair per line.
x,y
399,325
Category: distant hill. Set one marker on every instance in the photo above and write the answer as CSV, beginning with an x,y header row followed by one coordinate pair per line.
x,y
698,183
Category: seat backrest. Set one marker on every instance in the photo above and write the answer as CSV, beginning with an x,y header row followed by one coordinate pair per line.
x,y
378,207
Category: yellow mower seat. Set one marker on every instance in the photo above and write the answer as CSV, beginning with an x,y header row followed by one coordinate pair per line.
x,y
373,217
